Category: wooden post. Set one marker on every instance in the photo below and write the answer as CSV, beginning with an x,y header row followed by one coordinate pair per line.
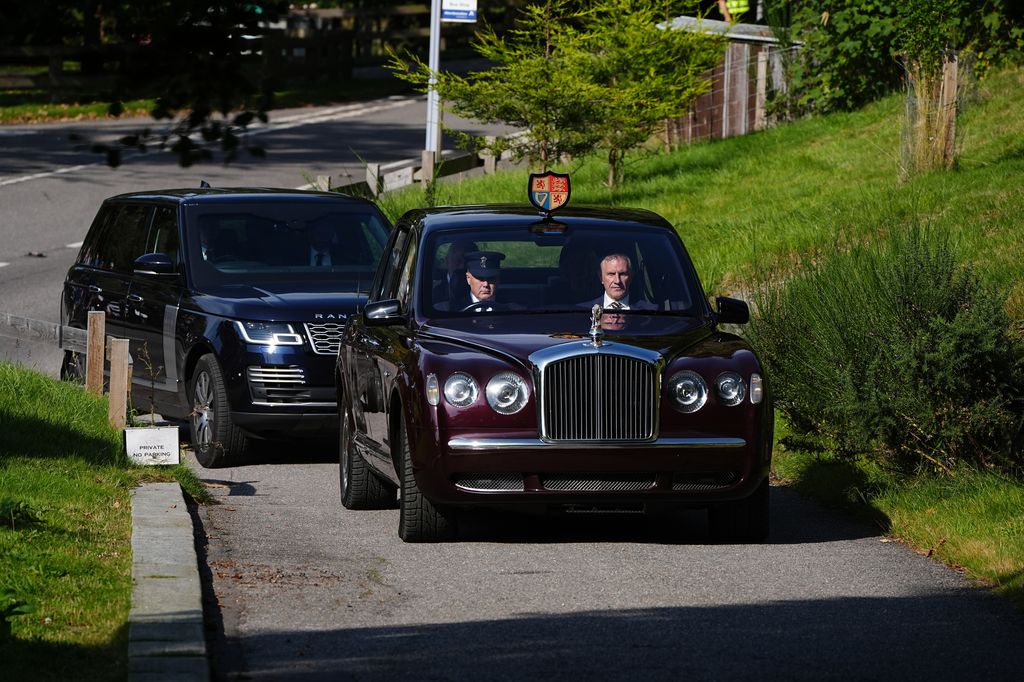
x,y
118,405
95,351
427,167
373,178
947,110
323,183
762,90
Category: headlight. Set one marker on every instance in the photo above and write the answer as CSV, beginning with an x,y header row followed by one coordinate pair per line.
x,y
268,333
730,388
756,388
687,391
507,393
460,390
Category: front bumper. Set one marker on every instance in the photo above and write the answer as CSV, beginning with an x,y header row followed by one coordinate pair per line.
x,y
521,471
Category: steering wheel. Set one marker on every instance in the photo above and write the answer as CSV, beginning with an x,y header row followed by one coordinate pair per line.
x,y
482,306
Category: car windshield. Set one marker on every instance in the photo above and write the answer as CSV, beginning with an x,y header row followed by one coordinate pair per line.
x,y
631,267
249,243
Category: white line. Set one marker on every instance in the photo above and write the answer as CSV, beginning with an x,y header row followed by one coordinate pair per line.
x,y
285,123
46,174
3,265
74,245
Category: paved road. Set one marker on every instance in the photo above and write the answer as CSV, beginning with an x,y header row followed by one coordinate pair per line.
x,y
304,590
50,190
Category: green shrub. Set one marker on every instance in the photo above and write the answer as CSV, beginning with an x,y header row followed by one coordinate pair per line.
x,y
896,350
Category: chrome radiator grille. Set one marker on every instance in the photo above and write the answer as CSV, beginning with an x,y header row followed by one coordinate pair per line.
x,y
325,337
599,398
277,385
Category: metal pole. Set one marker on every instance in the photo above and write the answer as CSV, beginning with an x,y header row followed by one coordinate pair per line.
x,y
433,142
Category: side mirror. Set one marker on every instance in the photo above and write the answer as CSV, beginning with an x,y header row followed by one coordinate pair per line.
x,y
155,264
383,313
732,311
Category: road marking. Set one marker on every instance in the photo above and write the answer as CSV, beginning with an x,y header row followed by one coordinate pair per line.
x,y
285,123
75,245
46,174
4,265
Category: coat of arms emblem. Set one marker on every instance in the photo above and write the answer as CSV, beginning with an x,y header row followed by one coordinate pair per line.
x,y
549,191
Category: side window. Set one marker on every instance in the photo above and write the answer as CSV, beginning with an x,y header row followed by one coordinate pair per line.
x,y
403,292
389,265
163,235
125,237
90,255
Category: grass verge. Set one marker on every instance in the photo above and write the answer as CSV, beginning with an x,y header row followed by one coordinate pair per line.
x,y
65,530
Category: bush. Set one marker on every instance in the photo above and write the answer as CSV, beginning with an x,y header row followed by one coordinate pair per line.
x,y
895,350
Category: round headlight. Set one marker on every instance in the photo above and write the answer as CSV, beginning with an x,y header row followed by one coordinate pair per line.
x,y
507,393
460,390
730,388
687,391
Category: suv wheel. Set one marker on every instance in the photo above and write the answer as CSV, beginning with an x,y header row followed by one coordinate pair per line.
x,y
419,520
360,486
215,439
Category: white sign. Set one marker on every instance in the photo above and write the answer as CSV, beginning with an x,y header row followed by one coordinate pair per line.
x,y
463,11
152,445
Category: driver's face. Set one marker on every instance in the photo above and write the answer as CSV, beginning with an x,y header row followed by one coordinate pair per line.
x,y
615,278
483,289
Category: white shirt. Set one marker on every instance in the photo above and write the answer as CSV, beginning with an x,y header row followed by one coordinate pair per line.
x,y
621,305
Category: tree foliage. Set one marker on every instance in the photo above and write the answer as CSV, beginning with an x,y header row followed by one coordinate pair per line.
x,y
853,49
578,76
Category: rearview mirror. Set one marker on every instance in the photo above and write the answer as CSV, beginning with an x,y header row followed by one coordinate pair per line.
x,y
155,264
383,313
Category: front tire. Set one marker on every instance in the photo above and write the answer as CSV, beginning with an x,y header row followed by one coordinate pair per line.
x,y
360,487
741,521
216,441
419,520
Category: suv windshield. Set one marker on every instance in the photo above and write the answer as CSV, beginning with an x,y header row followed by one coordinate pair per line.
x,y
633,267
281,240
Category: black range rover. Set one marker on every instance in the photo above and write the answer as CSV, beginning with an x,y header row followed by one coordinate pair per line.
x,y
233,301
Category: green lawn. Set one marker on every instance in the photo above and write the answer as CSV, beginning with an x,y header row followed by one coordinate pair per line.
x,y
65,530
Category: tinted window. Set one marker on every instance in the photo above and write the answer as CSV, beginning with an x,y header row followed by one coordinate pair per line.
x,y
117,237
384,286
163,235
560,272
247,243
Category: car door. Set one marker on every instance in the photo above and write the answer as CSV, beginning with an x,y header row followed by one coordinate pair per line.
x,y
368,344
101,278
151,317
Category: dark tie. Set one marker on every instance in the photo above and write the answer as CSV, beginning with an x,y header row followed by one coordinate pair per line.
x,y
319,258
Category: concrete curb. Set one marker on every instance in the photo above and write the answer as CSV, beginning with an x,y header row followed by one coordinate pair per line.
x,y
166,640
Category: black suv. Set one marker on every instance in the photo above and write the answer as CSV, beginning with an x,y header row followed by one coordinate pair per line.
x,y
233,301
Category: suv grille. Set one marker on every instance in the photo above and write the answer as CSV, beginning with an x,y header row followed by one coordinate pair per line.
x,y
325,337
599,398
278,385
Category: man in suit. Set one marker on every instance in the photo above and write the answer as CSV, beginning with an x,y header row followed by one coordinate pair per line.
x,y
452,286
483,274
616,273
323,250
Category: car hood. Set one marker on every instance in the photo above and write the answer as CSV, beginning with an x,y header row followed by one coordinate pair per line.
x,y
279,301
517,336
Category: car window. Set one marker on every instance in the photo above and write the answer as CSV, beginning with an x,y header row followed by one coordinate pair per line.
x,y
557,272
246,243
117,238
163,234
403,291
391,265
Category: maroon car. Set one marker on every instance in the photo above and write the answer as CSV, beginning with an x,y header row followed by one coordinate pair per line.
x,y
513,359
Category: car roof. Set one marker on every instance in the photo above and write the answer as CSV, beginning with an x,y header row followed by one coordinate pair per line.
x,y
517,215
199,195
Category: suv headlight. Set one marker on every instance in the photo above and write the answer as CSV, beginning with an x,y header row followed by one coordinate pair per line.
x,y
268,333
507,393
687,391
730,388
461,390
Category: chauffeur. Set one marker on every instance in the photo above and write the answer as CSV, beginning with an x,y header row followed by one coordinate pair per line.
x,y
483,274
